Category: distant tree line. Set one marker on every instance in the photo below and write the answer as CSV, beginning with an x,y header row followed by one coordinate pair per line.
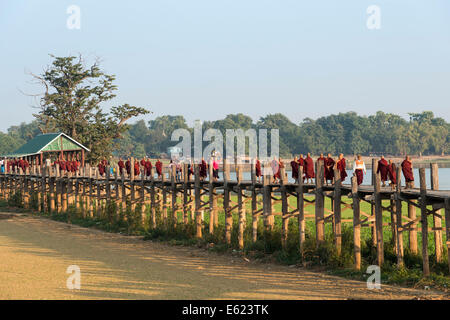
x,y
349,133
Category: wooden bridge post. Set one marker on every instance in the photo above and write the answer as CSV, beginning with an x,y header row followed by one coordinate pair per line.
x,y
226,201
284,208
254,202
198,214
152,199
142,198
378,220
372,205
424,221
163,203
301,211
319,203
437,220
91,193
413,247
185,194
337,211
211,198
267,197
447,228
173,174
398,208
43,207
241,208
356,223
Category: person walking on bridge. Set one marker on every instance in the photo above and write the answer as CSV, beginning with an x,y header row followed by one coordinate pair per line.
x,y
359,169
383,166
407,169
341,166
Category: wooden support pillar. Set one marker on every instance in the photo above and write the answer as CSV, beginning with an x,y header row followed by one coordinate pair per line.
x,y
399,214
320,225
163,204
356,223
337,211
185,195
301,211
267,197
212,209
424,221
142,198
254,203
372,206
152,199
378,220
413,246
173,178
284,208
437,220
447,229
198,217
241,208
226,202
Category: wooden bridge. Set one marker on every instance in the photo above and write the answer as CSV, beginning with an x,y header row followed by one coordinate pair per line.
x,y
86,190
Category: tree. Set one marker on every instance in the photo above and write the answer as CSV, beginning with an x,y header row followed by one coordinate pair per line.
x,y
72,103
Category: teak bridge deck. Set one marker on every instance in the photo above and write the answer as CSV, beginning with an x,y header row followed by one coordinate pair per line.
x,y
87,190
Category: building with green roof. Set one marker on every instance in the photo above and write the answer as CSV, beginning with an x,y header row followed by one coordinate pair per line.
x,y
50,145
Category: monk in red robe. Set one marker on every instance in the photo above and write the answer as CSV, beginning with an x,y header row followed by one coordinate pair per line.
x,y
159,166
392,173
258,170
137,170
383,170
341,166
148,167
203,169
101,168
121,166
407,171
309,168
294,167
329,169
128,167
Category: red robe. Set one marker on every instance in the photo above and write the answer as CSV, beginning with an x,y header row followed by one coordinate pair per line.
x,y
407,171
128,166
101,168
383,169
258,168
158,166
148,167
294,166
329,171
137,170
309,168
121,166
392,173
341,166
203,169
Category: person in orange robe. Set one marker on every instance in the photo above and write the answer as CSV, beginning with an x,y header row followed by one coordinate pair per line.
x,y
392,173
121,166
258,170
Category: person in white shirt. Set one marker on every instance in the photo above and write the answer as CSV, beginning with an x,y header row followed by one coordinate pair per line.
x,y
359,169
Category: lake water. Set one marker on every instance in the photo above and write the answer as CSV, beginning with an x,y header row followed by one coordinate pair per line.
x,y
444,177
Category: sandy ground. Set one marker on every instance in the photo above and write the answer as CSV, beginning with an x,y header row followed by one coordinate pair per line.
x,y
35,253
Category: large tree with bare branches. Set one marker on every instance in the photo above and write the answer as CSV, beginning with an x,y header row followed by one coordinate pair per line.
x,y
73,100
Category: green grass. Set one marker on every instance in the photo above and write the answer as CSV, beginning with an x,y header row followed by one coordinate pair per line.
x,y
268,246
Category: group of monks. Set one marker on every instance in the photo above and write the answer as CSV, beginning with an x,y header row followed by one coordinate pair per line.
x,y
304,168
15,164
67,165
145,165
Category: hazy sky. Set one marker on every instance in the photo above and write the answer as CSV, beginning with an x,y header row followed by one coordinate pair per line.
x,y
208,58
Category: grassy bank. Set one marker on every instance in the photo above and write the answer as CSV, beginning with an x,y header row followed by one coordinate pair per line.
x,y
268,247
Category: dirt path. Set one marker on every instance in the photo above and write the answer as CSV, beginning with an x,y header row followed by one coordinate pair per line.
x,y
35,253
